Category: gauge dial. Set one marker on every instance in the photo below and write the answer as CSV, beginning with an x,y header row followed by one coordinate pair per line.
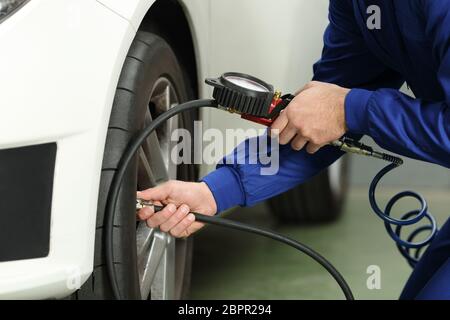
x,y
242,93
246,83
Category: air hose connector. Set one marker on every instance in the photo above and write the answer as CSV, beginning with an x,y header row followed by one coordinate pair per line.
x,y
350,145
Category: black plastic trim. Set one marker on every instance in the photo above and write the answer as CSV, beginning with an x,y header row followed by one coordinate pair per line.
x,y
26,190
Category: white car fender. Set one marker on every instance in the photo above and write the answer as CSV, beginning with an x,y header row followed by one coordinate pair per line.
x,y
60,62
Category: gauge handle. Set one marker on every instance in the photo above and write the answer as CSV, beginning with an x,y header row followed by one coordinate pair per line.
x,y
279,103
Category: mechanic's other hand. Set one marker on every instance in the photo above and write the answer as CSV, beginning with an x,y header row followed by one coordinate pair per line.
x,y
315,117
180,198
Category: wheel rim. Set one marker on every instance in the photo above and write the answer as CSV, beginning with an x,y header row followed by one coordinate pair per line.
x,y
156,249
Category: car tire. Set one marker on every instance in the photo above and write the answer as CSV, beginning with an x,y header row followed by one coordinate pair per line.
x,y
319,200
150,66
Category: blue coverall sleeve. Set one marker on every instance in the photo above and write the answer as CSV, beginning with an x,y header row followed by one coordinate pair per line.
x,y
345,61
415,128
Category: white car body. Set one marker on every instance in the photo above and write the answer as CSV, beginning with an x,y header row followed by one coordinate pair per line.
x,y
60,61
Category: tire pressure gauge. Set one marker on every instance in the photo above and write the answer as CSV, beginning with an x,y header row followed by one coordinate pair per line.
x,y
251,97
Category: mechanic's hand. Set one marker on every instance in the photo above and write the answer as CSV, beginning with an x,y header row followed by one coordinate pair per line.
x,y
180,198
315,117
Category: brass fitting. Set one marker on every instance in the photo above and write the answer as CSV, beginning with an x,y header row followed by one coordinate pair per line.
x,y
277,95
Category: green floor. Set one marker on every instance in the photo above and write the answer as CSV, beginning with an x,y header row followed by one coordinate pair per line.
x,y
232,265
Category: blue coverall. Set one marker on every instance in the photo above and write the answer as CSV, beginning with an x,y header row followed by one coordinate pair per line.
x,y
412,45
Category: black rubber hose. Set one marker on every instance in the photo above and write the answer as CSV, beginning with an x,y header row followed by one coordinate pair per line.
x,y
230,224
114,193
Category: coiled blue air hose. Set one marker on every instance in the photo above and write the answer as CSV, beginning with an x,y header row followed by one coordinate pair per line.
x,y
394,226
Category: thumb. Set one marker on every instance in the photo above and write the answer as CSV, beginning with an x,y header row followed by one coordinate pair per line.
x,y
160,192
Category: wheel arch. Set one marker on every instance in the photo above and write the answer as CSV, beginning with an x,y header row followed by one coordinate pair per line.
x,y
169,20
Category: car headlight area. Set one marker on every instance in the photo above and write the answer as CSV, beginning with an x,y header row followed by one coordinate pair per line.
x,y
8,7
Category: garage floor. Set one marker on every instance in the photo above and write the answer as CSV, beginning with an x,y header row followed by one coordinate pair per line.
x,y
231,265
